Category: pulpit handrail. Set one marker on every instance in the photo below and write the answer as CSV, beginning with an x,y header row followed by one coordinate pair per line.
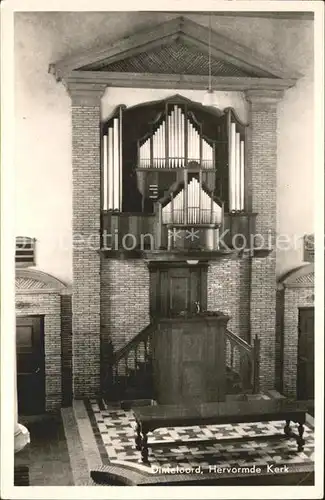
x,y
250,352
241,343
141,336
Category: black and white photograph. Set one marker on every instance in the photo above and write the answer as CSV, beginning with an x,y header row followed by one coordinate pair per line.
x,y
162,249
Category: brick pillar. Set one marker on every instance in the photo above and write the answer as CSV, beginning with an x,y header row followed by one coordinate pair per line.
x,y
86,237
262,185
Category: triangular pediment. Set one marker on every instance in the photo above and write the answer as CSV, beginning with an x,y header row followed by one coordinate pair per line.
x,y
177,47
177,57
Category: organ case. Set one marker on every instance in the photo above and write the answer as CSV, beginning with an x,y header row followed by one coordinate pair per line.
x,y
177,161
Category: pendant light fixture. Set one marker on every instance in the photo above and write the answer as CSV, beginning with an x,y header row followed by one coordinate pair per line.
x,y
209,98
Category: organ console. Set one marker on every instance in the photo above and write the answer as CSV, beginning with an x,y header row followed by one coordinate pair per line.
x,y
147,149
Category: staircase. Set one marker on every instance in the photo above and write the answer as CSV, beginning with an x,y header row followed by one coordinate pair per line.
x,y
131,377
242,364
132,372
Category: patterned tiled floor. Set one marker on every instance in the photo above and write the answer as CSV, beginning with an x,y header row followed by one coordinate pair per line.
x,y
89,434
114,432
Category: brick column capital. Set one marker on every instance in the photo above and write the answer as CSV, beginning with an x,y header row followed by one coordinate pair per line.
x,y
84,93
264,98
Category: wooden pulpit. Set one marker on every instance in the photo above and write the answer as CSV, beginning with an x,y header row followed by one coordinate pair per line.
x,y
189,359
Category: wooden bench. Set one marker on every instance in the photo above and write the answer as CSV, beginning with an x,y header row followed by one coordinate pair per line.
x,y
232,412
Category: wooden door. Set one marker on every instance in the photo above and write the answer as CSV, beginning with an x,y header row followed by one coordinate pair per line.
x,y
305,364
30,365
178,290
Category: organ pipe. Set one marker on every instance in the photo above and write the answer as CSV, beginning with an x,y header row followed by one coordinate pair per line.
x,y
171,144
110,170
242,169
192,205
232,164
105,174
120,161
185,196
236,169
182,135
112,166
237,178
116,187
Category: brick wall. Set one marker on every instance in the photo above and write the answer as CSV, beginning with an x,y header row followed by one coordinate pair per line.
x,y
228,291
262,316
293,299
86,242
279,340
261,177
124,300
49,305
66,349
261,165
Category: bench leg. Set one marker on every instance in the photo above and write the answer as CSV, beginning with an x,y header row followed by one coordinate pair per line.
x,y
300,439
287,428
138,439
144,450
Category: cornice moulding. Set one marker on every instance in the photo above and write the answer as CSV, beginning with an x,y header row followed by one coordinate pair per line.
x,y
79,81
264,96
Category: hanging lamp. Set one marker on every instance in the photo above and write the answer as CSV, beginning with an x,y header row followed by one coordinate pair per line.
x,y
209,98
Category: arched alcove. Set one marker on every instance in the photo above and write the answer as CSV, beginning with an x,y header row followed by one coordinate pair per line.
x,y
299,277
42,333
295,295
33,280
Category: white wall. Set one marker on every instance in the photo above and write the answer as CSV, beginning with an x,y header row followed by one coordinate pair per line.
x,y
131,97
43,131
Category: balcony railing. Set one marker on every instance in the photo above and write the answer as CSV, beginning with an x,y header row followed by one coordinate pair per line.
x,y
140,231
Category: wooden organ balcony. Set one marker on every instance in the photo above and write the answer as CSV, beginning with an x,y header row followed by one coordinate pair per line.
x,y
173,167
133,232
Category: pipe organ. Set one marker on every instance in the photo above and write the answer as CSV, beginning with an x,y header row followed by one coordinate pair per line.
x,y
176,141
154,145
192,206
236,150
112,165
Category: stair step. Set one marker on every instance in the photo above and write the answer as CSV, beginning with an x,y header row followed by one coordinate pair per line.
x,y
138,384
273,394
246,397
127,404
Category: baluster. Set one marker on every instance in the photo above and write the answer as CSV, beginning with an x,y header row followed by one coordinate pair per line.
x,y
232,348
145,343
227,351
117,374
243,371
136,357
149,347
